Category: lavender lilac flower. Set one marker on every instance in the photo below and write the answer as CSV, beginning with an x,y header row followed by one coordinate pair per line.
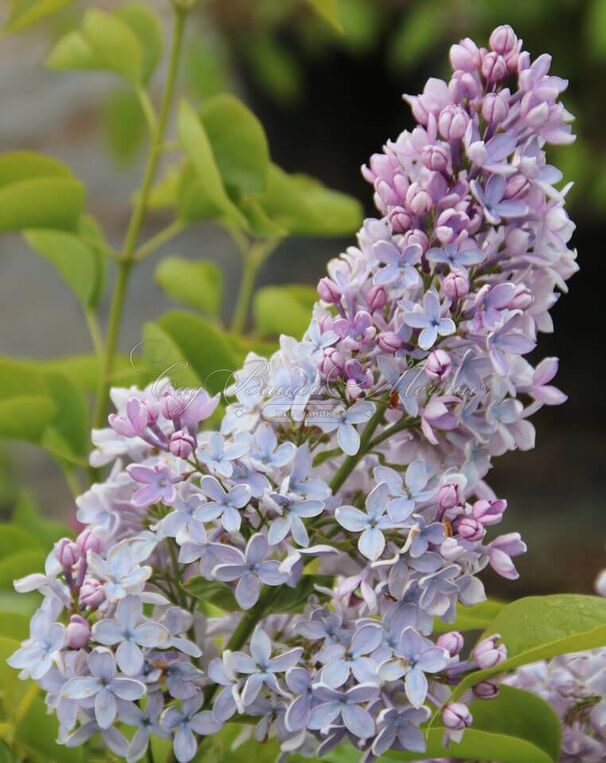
x,y
289,567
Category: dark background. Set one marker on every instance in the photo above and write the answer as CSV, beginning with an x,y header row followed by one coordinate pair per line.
x,y
327,103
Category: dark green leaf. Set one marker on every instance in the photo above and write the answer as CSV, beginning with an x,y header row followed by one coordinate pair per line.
x,y
515,727
328,10
211,592
289,600
541,627
197,284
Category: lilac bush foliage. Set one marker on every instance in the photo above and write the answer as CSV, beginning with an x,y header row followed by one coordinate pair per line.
x,y
288,567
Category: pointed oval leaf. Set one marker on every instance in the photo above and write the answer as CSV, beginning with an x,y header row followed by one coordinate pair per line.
x,y
540,627
197,284
146,26
44,202
26,165
283,309
24,13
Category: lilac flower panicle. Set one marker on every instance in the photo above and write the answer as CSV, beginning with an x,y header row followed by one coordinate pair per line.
x,y
289,566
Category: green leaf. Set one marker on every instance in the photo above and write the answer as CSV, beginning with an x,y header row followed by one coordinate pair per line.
x,y
206,183
124,124
37,732
515,727
238,143
27,517
304,206
41,202
211,592
595,28
477,617
288,600
197,284
204,345
163,358
80,266
27,165
416,36
25,418
541,627
24,13
19,564
147,28
14,539
283,309
275,67
71,425
104,42
328,10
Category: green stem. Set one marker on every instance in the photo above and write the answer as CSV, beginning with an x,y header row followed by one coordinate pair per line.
x,y
161,238
126,261
94,331
253,260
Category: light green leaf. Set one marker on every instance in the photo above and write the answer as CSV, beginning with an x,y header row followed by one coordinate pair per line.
x,y
277,69
304,206
71,425
25,418
19,564
27,165
147,28
541,627
477,617
283,309
27,517
204,345
104,42
206,181
238,143
14,539
162,357
124,124
515,727
416,35
288,600
24,13
79,265
37,732
197,284
328,10
42,202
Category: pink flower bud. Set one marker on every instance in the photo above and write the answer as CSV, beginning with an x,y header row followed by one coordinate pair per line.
x,y
494,67
464,86
333,363
88,541
77,632
181,444
438,365
172,405
456,285
435,157
453,642
486,690
495,107
92,594
456,716
465,55
67,553
389,342
470,529
517,187
399,219
503,39
452,122
449,495
376,298
329,291
489,512
418,200
488,653
522,298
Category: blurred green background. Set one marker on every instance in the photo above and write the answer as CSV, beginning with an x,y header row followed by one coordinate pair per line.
x,y
328,99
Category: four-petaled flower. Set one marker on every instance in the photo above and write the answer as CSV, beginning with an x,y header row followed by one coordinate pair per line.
x,y
223,503
184,721
334,704
250,570
45,641
399,266
429,320
292,513
344,421
104,685
159,485
416,656
455,258
371,523
218,456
